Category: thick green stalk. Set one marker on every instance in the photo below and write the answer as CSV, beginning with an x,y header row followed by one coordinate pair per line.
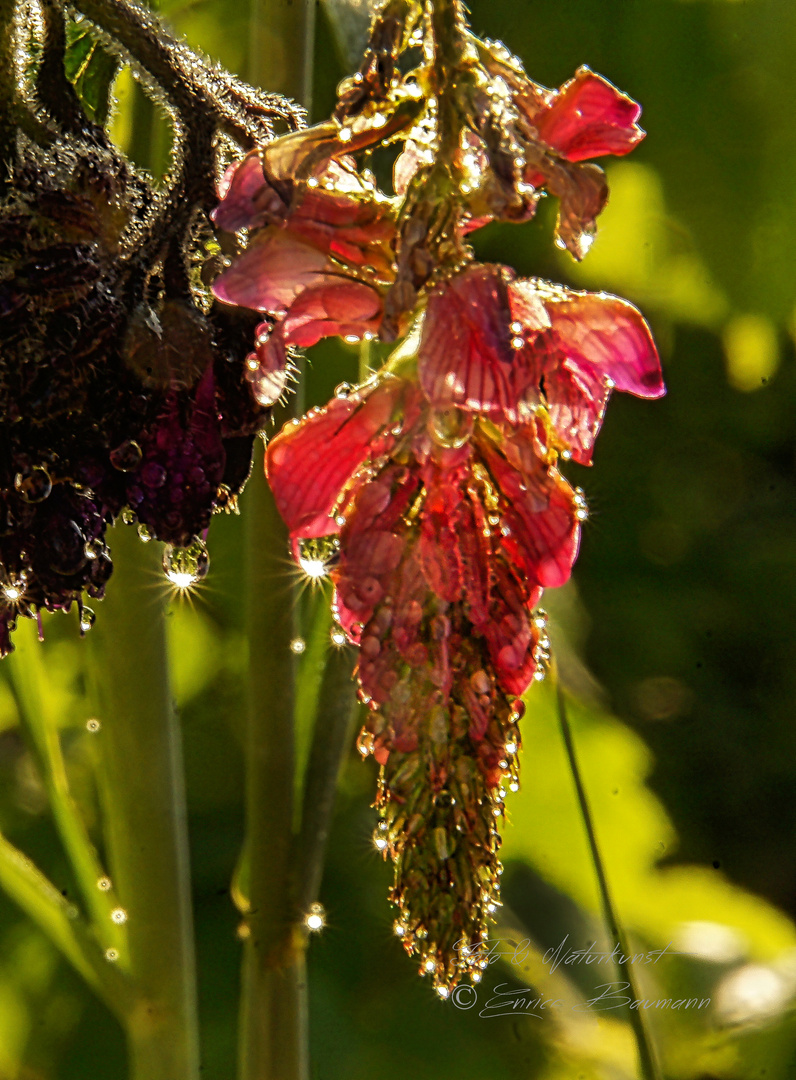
x,y
648,1065
273,1014
144,812
273,1033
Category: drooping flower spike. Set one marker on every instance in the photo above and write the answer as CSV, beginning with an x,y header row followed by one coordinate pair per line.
x,y
432,494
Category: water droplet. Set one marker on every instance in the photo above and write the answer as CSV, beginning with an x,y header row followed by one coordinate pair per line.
x,y
315,919
104,884
13,591
475,976
93,725
343,390
127,456
511,747
87,619
345,134
515,327
144,533
338,636
298,645
129,516
111,955
443,992
317,556
514,786
33,485
185,566
381,843
430,965
93,548
119,915
450,428
398,929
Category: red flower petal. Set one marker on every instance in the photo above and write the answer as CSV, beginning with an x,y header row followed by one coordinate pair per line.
x,y
588,117
608,335
541,528
466,357
246,199
332,306
271,273
309,463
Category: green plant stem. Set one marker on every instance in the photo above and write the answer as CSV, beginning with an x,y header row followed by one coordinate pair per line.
x,y
40,724
334,721
273,1014
145,814
273,1031
35,894
648,1065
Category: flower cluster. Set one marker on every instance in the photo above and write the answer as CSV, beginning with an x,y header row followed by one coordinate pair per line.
x,y
431,494
122,388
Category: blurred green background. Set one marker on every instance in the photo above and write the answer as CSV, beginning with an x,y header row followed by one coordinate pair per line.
x,y
676,635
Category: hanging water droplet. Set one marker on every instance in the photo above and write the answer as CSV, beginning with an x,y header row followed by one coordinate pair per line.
x,y
34,485
87,619
144,533
315,919
127,456
317,556
129,516
443,992
450,428
338,636
13,590
298,645
185,566
381,843
93,549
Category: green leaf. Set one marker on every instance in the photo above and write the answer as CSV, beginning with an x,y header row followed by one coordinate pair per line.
x,y
91,70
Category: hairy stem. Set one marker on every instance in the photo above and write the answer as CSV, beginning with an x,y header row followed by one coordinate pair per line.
x,y
646,1056
195,89
7,88
145,816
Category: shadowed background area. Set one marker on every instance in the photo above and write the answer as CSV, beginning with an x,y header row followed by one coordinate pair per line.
x,y
675,637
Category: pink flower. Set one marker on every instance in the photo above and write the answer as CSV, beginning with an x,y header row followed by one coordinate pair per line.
x,y
317,264
526,348
436,514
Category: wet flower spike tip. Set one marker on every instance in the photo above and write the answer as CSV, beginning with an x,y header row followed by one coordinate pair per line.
x,y
436,483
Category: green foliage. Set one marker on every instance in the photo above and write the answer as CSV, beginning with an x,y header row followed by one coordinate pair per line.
x,y
91,69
